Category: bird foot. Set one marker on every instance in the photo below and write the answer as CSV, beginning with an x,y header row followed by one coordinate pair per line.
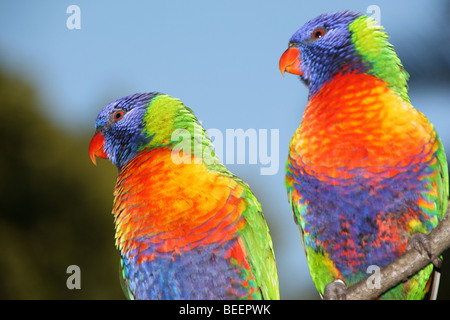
x,y
422,244
335,290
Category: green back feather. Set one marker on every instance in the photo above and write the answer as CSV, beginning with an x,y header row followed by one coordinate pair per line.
x,y
371,42
174,126
258,244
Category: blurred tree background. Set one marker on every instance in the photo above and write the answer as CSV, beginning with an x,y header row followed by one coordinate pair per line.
x,y
52,214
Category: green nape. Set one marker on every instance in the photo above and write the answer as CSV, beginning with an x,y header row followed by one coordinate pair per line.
x,y
172,125
370,40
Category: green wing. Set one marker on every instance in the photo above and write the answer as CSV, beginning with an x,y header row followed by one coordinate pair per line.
x,y
259,247
443,181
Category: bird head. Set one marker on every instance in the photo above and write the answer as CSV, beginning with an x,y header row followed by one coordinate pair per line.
x,y
320,48
342,42
146,121
119,129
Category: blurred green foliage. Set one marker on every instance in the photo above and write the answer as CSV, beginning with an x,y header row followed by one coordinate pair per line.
x,y
55,206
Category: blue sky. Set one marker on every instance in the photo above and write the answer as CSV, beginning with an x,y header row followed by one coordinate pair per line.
x,y
219,57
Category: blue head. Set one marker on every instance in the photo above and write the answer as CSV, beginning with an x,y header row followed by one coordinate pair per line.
x,y
119,129
321,48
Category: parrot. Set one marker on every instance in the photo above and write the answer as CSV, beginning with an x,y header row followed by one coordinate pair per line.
x,y
366,174
186,228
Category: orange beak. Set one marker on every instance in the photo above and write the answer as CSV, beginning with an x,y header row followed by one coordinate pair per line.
x,y
96,148
290,62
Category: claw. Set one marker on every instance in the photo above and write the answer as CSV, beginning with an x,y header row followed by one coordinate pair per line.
x,y
335,290
421,243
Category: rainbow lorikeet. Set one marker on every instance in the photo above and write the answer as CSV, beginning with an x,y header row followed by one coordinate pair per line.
x,y
365,171
186,227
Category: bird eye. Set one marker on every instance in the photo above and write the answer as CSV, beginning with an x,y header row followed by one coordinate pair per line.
x,y
118,115
318,33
